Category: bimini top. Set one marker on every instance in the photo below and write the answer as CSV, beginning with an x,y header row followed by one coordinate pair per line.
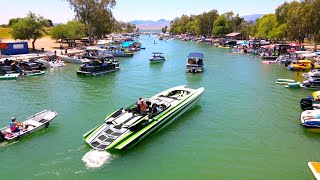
x,y
196,55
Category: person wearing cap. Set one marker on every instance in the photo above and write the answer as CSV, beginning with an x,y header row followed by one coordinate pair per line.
x,y
15,126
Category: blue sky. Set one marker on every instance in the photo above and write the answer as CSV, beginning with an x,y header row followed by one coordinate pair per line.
x,y
126,10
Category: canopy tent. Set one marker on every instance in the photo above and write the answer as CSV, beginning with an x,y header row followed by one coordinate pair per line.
x,y
195,55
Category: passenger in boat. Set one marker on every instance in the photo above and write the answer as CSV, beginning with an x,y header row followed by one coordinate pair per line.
x,y
143,108
15,126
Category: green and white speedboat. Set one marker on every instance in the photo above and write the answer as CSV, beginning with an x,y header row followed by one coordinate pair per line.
x,y
126,127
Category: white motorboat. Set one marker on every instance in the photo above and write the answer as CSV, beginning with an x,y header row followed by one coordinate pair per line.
x,y
312,73
157,57
31,124
311,119
195,62
76,59
126,127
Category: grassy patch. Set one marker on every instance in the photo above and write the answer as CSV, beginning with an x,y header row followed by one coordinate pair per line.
x,y
5,33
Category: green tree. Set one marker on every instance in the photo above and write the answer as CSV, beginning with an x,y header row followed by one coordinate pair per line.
x,y
221,26
69,32
311,19
30,27
88,11
164,29
237,22
266,25
48,23
13,21
206,22
246,29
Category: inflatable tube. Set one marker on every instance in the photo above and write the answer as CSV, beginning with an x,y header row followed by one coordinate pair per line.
x,y
293,85
286,80
282,83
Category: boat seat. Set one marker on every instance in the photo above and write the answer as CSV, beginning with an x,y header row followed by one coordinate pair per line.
x,y
32,123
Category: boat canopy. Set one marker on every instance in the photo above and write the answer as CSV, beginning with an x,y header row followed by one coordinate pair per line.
x,y
196,55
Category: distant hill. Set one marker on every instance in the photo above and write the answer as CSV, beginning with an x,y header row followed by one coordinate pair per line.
x,y
253,17
151,25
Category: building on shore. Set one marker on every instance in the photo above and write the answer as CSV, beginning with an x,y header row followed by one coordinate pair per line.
x,y
233,36
14,48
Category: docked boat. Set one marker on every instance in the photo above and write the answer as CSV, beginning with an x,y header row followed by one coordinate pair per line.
x,y
116,51
99,65
56,63
311,82
31,65
126,127
301,65
157,57
31,124
51,61
9,76
312,73
311,102
195,62
311,119
76,59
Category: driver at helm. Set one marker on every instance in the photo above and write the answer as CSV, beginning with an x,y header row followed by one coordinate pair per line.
x,y
15,126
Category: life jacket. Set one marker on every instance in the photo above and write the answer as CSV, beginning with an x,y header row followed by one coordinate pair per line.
x,y
12,126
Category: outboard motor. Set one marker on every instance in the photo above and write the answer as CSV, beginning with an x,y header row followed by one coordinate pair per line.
x,y
306,104
1,137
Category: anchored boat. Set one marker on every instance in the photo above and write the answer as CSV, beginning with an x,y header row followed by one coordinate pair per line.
x,y
157,57
98,65
31,124
195,62
311,102
310,119
126,127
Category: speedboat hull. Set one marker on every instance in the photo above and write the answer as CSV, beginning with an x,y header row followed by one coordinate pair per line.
x,y
9,76
113,135
308,121
99,73
33,123
156,60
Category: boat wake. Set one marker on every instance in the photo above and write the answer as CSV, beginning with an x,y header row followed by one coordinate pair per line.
x,y
96,159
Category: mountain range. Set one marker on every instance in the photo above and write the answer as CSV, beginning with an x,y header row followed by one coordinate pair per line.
x,y
151,25
158,25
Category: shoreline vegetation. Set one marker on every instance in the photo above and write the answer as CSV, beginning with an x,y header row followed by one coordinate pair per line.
x,y
285,25
294,21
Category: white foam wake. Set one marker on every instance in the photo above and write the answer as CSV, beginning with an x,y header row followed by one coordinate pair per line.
x,y
96,159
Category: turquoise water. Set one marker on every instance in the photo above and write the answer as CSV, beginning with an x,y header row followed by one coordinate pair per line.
x,y
244,127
